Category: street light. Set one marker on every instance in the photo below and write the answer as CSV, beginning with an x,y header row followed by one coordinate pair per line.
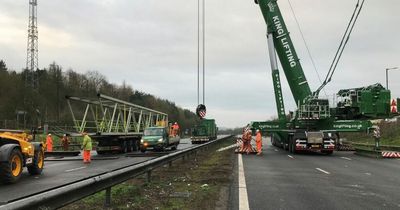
x,y
387,69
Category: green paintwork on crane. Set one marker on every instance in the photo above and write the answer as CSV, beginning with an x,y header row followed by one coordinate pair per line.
x,y
364,102
398,105
266,126
286,52
351,125
280,105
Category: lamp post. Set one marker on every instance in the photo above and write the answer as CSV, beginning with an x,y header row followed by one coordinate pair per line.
x,y
387,79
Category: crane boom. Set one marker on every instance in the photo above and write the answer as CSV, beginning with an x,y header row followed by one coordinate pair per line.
x,y
286,52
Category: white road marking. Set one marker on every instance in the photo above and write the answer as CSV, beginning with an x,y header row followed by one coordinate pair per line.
x,y
75,169
346,158
277,151
243,199
290,156
369,174
225,148
323,171
47,165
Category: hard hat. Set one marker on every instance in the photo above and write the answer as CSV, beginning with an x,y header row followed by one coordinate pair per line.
x,y
65,134
49,134
175,123
257,130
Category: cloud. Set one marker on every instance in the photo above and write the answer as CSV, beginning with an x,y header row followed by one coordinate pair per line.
x,y
152,45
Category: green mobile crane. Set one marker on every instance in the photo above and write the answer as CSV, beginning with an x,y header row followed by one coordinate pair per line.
x,y
314,126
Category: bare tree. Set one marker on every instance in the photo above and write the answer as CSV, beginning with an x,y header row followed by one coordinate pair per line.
x,y
96,79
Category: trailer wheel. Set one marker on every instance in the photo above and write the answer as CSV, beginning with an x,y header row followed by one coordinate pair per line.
x,y
11,170
124,147
135,145
129,146
100,152
292,146
285,146
37,164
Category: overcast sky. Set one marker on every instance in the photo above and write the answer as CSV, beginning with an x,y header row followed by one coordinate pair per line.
x,y
152,45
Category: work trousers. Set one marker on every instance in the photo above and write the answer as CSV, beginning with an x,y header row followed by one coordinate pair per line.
x,y
259,146
86,156
49,148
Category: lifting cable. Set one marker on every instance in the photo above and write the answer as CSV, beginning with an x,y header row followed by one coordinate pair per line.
x,y
198,52
204,49
343,43
202,32
201,108
305,43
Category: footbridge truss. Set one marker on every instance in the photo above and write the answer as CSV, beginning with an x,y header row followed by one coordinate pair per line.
x,y
108,116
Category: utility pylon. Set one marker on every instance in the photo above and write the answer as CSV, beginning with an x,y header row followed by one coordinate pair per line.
x,y
31,78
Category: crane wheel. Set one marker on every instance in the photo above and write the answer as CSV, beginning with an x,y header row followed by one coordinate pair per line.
x,y
37,164
124,147
11,170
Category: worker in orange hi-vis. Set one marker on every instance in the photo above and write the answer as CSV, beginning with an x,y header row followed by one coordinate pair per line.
x,y
175,129
49,143
258,142
86,147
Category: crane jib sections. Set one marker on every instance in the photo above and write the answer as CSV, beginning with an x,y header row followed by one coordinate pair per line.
x,y
104,115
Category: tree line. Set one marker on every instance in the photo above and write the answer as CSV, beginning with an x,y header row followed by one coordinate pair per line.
x,y
22,106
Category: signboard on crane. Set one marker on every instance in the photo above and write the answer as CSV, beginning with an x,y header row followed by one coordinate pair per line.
x,y
393,106
201,111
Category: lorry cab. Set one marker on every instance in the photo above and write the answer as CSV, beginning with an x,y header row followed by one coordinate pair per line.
x,y
158,139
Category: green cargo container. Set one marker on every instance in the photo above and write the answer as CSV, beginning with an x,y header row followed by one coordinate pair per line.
x,y
205,131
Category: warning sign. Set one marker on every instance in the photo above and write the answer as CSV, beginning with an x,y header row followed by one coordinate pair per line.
x,y
394,103
393,106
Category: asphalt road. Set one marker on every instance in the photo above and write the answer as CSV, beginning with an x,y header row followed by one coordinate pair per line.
x,y
69,170
280,180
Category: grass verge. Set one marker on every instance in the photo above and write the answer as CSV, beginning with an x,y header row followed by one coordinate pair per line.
x,y
199,182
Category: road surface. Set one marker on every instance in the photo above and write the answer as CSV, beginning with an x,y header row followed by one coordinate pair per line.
x,y
70,170
280,180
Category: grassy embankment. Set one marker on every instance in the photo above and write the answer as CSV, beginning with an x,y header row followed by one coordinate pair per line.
x,y
199,182
390,135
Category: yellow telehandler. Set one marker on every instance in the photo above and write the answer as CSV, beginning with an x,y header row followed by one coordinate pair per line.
x,y
17,151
